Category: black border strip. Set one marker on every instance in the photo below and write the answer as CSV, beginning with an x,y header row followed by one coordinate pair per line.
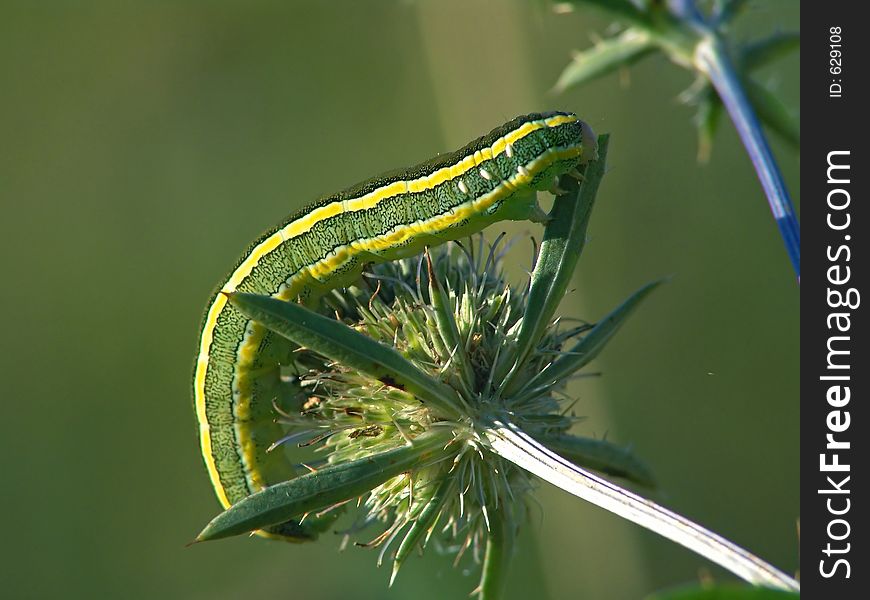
x,y
834,370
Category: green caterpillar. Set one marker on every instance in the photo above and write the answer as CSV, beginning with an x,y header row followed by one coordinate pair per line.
x,y
326,245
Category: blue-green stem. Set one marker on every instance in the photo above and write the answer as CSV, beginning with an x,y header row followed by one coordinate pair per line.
x,y
711,56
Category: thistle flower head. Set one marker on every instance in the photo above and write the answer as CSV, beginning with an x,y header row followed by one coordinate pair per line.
x,y
451,314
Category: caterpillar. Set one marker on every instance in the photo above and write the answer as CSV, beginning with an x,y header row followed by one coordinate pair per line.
x,y
237,379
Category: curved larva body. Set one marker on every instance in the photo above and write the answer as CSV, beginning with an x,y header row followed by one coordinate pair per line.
x,y
237,376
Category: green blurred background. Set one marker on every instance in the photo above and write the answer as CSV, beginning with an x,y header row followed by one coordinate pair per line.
x,y
144,144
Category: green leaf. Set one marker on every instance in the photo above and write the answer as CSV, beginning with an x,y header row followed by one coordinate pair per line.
x,y
337,341
707,121
445,321
618,9
601,456
423,522
324,487
564,239
727,10
592,343
762,52
723,592
773,112
605,57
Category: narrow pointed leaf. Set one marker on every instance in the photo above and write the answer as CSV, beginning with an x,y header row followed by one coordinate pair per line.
x,y
765,51
619,9
773,112
511,443
707,120
446,322
337,341
424,521
564,239
602,456
605,57
593,342
727,10
723,592
323,488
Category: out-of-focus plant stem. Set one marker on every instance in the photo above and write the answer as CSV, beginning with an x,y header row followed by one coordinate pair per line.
x,y
711,56
700,41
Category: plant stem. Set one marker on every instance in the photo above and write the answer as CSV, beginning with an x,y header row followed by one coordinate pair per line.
x,y
499,551
712,58
512,444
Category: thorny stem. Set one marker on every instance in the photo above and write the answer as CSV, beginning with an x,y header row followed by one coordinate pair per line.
x,y
693,40
512,444
712,58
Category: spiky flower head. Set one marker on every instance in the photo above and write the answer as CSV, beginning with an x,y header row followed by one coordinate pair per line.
x,y
436,390
452,315
423,356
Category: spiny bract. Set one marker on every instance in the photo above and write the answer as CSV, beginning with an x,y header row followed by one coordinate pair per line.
x,y
451,314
